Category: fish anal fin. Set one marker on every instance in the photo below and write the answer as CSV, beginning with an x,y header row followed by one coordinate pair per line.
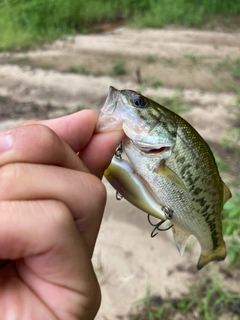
x,y
180,238
226,193
215,255
168,173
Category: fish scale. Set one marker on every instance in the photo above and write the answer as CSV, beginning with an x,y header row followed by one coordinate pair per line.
x,y
174,163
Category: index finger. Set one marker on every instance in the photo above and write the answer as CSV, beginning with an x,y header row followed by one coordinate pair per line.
x,y
96,149
76,129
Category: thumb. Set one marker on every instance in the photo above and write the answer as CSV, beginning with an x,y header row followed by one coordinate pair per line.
x,y
76,129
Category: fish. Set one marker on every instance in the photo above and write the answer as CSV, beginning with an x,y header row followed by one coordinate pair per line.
x,y
175,166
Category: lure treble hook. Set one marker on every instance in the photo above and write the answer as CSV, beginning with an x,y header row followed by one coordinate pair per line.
x,y
118,155
118,152
168,214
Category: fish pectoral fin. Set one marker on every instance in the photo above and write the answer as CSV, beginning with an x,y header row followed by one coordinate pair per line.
x,y
215,255
180,238
168,173
226,193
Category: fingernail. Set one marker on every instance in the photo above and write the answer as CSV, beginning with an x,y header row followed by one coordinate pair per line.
x,y
5,143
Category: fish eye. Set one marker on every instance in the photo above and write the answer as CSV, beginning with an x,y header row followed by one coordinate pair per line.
x,y
138,101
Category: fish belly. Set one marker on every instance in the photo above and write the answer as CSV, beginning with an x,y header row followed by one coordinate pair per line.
x,y
187,212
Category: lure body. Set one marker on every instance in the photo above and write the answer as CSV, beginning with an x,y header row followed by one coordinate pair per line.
x,y
126,182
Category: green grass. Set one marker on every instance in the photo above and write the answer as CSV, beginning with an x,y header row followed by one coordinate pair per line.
x,y
231,213
193,59
156,85
24,23
78,70
175,103
184,12
150,58
206,300
231,229
227,76
231,66
235,69
119,68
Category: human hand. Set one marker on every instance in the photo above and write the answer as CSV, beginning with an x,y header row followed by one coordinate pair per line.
x,y
51,205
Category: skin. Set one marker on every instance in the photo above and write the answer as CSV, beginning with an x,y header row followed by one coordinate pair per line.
x,y
51,206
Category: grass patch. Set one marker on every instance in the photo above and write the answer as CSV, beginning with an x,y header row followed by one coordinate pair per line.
x,y
193,59
231,213
119,68
231,229
27,22
24,23
184,12
175,103
78,70
227,74
223,65
151,59
235,69
231,221
231,66
206,300
156,85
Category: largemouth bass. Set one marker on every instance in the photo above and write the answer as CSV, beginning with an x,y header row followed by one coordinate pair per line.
x,y
175,166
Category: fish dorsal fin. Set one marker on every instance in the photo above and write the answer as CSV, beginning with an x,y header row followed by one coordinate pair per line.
x,y
226,193
180,238
168,173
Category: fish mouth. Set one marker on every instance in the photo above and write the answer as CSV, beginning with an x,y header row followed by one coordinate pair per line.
x,y
108,120
115,114
110,104
145,143
153,149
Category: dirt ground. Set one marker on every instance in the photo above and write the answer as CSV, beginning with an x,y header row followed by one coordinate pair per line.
x,y
192,67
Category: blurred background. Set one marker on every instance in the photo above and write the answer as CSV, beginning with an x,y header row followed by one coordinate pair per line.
x,y
59,56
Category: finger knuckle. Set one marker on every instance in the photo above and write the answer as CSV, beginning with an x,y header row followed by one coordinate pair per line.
x,y
37,135
99,190
46,139
10,178
60,212
61,216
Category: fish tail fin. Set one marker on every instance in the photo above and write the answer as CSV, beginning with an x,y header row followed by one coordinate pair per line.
x,y
217,254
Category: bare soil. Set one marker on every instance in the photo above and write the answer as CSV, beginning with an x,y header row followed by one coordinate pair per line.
x,y
75,73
